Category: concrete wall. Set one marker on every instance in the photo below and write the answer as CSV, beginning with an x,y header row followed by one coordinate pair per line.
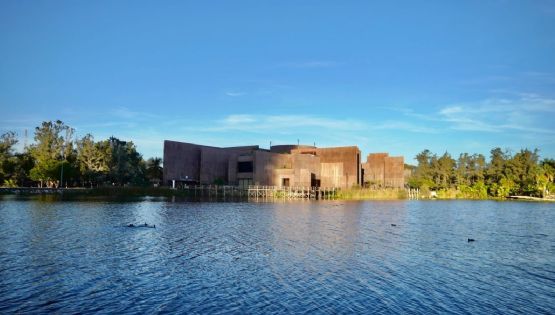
x,y
214,165
270,168
181,161
332,175
394,171
330,159
198,163
306,168
264,165
383,170
374,168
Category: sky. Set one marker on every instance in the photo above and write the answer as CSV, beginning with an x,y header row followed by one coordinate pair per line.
x,y
387,76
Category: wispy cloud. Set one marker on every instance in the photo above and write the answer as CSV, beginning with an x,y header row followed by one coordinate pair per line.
x,y
235,93
282,123
524,114
403,126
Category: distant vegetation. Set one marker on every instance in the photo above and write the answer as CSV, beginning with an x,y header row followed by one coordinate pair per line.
x,y
471,176
113,162
82,162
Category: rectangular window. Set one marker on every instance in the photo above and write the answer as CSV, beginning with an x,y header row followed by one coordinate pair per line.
x,y
285,182
244,167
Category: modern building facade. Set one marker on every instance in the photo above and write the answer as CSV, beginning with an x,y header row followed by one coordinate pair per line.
x,y
283,165
382,170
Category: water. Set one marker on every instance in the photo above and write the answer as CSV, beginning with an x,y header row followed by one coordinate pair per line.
x,y
298,257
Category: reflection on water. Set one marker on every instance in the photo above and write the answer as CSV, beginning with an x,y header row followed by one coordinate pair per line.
x,y
324,257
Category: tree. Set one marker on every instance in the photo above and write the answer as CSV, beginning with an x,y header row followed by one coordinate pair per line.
x,y
93,159
7,161
524,170
548,167
154,170
51,151
444,171
22,170
422,176
127,165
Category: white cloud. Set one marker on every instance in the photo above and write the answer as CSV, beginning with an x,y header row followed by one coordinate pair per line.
x,y
284,124
523,113
235,94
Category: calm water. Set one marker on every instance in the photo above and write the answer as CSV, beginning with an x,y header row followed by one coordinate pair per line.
x,y
300,257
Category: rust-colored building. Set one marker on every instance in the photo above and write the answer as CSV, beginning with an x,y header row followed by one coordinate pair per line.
x,y
283,165
382,170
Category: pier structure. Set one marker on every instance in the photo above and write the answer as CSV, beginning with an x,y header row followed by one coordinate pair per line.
x,y
255,192
287,193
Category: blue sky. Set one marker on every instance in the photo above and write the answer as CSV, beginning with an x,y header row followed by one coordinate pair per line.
x,y
388,76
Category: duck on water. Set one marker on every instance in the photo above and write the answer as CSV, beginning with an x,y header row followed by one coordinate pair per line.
x,y
131,225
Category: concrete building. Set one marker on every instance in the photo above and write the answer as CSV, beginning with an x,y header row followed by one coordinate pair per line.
x,y
282,165
382,170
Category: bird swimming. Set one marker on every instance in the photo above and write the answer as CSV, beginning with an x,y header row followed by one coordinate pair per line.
x,y
145,225
471,240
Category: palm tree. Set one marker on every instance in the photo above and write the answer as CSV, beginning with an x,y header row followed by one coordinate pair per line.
x,y
154,170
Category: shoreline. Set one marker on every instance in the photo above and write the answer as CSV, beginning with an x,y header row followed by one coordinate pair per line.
x,y
131,192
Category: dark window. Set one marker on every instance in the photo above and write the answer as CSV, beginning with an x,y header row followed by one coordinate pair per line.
x,y
285,182
244,167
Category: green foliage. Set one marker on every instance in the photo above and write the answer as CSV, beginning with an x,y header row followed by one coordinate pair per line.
x,y
84,162
7,161
126,166
154,171
472,177
53,147
93,159
9,183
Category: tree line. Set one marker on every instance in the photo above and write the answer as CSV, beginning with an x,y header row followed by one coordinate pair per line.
x,y
81,162
471,176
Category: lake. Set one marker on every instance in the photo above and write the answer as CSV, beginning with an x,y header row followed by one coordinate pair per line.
x,y
323,257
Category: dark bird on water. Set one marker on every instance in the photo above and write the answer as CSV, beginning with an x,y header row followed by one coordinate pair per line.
x,y
471,240
393,224
131,225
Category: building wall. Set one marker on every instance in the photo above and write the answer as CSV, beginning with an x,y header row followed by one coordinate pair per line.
x,y
332,175
181,161
394,171
383,170
303,165
198,163
307,168
374,168
330,159
213,165
271,168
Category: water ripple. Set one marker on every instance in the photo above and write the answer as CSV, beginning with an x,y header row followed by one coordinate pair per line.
x,y
321,257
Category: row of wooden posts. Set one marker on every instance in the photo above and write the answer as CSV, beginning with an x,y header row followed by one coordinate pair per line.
x,y
286,192
256,193
262,192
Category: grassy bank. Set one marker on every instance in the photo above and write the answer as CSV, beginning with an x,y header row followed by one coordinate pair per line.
x,y
371,194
